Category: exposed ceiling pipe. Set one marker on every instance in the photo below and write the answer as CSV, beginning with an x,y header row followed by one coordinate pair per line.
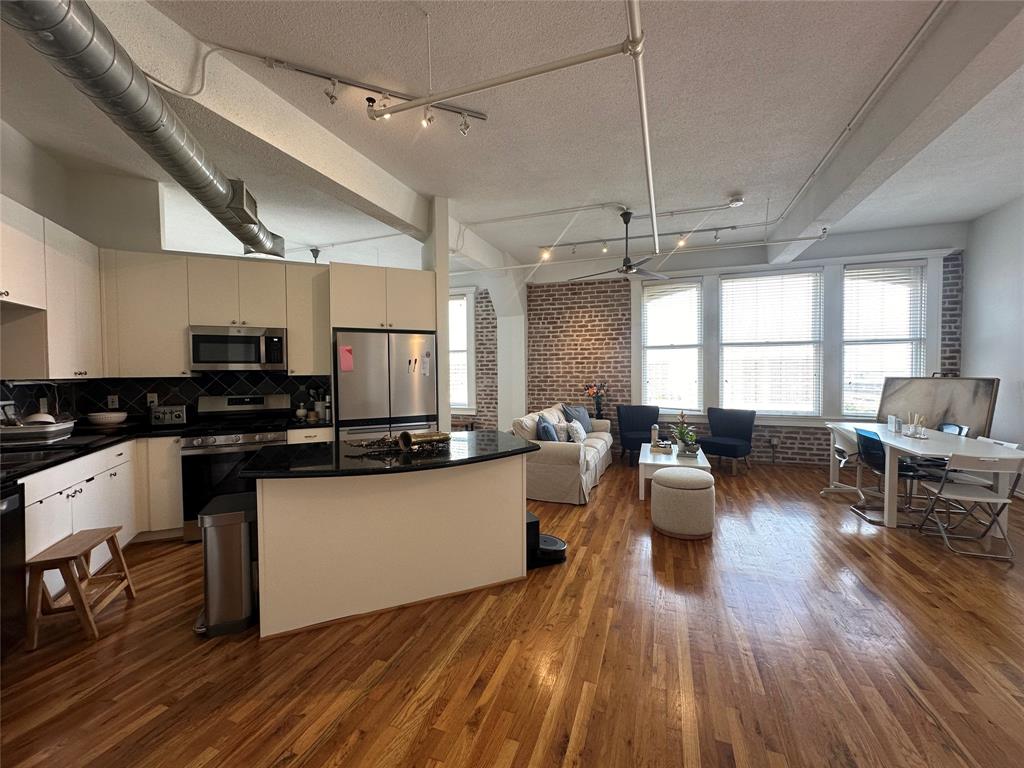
x,y
689,232
694,249
432,99
80,47
636,50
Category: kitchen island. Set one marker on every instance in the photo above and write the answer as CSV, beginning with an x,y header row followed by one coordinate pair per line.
x,y
344,531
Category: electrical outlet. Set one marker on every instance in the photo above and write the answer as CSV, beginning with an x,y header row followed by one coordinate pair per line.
x,y
152,401
44,405
113,402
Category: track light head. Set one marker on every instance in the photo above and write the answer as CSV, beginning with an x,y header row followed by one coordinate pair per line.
x,y
385,102
736,201
604,247
371,103
545,254
681,241
316,254
464,125
428,117
717,238
332,93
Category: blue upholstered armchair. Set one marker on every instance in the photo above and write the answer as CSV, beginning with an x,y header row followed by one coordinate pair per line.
x,y
732,432
635,422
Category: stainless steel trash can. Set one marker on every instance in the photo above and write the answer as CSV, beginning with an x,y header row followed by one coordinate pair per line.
x,y
228,525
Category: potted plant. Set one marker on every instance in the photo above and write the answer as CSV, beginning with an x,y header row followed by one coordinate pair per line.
x,y
686,437
596,391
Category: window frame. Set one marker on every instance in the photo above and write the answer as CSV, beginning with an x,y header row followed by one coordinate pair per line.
x,y
699,346
923,341
469,294
832,331
818,343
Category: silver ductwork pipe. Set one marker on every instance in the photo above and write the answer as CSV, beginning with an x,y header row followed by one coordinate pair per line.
x,y
81,48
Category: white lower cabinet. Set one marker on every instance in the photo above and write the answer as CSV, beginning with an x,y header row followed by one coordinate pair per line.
x,y
47,522
103,501
165,503
311,435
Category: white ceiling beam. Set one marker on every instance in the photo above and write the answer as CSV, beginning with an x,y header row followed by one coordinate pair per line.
x,y
969,50
169,52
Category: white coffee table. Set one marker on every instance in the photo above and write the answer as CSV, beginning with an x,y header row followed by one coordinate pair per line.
x,y
652,462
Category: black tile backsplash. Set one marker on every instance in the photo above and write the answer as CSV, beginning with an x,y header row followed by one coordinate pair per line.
x,y
81,397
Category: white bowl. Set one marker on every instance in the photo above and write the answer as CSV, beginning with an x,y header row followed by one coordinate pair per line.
x,y
40,418
106,418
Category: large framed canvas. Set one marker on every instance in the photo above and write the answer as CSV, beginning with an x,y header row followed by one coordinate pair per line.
x,y
965,401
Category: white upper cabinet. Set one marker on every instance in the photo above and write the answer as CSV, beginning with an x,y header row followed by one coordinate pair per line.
x,y
236,292
146,314
379,297
358,296
212,291
309,320
73,318
411,301
22,260
262,294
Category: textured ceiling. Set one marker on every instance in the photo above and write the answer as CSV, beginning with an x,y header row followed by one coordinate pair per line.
x,y
743,97
975,166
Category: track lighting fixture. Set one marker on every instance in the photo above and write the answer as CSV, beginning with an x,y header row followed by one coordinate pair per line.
x,y
717,238
316,254
464,125
332,93
574,250
428,117
604,247
545,254
681,241
736,201
385,99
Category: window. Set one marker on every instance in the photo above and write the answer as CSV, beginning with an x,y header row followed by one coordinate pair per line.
x,y
884,321
771,343
461,362
673,375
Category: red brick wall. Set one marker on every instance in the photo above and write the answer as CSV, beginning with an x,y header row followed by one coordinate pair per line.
x,y
578,333
952,313
485,339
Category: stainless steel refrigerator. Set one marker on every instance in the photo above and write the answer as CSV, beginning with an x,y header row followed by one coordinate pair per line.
x,y
384,383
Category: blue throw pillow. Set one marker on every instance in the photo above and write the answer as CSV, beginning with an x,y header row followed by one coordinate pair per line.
x,y
546,430
578,413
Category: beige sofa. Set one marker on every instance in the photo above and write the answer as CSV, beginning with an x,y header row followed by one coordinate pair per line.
x,y
564,472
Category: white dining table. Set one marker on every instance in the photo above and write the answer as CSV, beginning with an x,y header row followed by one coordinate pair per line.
x,y
935,445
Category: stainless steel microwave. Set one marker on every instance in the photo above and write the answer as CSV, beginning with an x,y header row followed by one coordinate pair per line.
x,y
237,348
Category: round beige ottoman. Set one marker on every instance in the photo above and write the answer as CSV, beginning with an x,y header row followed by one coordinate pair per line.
x,y
683,502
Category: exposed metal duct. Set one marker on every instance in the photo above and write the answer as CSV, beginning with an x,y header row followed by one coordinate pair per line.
x,y
80,47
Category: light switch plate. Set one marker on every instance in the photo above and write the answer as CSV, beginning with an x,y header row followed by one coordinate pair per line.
x,y
152,400
113,401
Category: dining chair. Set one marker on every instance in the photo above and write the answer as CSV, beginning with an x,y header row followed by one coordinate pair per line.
x,y
971,503
872,453
846,454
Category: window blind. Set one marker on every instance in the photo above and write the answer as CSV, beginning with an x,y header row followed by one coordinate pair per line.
x,y
672,338
884,331
771,343
459,363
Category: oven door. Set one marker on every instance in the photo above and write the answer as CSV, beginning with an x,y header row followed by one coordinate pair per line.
x,y
210,472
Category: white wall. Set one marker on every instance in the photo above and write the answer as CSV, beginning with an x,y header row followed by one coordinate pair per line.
x,y
993,337
33,177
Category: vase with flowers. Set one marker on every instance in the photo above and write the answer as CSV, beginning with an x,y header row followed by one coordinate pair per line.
x,y
596,391
686,437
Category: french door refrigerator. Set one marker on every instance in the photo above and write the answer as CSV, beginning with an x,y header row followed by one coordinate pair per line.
x,y
384,383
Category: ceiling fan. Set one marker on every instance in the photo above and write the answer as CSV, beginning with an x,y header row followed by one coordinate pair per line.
x,y
628,267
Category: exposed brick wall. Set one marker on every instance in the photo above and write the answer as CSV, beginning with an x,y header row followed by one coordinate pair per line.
x,y
578,333
796,445
952,313
485,339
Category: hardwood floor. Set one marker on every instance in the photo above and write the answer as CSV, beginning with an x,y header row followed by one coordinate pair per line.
x,y
796,636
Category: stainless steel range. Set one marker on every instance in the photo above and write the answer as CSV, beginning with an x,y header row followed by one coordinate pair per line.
x,y
228,431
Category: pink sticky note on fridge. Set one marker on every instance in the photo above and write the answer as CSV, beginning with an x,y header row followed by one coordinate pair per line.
x,y
345,362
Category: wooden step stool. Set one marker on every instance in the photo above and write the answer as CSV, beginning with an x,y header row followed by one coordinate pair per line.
x,y
67,555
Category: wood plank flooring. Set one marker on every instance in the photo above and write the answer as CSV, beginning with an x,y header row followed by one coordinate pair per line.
x,y
796,636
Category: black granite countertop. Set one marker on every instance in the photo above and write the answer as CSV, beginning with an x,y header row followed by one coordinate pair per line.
x,y
344,460
20,461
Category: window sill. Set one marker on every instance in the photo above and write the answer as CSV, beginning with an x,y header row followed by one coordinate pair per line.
x,y
768,420
463,411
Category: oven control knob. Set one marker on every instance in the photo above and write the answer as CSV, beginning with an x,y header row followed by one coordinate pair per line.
x,y
197,441
236,438
209,441
260,438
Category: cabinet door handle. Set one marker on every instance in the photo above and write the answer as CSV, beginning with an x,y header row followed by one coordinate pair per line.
x,y
184,373
5,293
391,325
382,325
234,322
243,322
121,454
113,474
